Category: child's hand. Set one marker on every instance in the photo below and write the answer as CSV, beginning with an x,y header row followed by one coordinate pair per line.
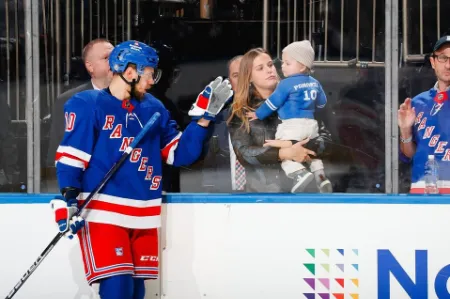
x,y
251,115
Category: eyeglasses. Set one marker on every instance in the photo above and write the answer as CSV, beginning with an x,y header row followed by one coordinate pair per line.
x,y
441,58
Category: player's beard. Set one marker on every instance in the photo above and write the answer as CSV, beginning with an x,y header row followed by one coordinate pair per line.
x,y
135,93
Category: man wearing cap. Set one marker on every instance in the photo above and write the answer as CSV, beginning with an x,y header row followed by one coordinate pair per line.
x,y
424,124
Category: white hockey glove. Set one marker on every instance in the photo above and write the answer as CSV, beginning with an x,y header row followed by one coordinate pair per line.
x,y
64,215
212,99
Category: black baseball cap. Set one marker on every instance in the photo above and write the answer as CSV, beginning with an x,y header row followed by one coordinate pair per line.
x,y
442,41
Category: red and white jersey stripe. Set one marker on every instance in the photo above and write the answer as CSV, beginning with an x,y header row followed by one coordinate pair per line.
x,y
71,156
125,212
168,152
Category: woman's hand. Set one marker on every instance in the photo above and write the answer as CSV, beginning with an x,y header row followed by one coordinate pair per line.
x,y
251,115
296,152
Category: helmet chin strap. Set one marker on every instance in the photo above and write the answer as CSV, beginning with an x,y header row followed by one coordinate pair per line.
x,y
132,84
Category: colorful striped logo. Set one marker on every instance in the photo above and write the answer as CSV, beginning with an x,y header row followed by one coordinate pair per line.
x,y
331,274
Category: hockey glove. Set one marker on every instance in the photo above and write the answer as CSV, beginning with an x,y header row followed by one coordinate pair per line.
x,y
64,210
212,99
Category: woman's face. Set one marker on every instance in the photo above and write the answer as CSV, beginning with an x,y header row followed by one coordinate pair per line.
x,y
264,75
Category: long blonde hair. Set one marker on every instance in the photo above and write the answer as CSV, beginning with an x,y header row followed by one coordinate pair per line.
x,y
244,92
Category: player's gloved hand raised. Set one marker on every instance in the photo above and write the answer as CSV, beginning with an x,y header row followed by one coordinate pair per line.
x,y
64,210
212,99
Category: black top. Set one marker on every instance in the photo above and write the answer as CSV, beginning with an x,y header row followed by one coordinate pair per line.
x,y
262,164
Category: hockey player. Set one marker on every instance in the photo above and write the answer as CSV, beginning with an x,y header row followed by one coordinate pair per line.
x,y
424,123
118,229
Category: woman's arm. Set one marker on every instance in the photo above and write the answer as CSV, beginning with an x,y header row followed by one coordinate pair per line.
x,y
246,152
263,155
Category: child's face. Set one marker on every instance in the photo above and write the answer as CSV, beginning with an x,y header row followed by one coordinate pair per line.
x,y
291,66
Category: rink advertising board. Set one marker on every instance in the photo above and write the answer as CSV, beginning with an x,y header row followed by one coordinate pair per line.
x,y
265,246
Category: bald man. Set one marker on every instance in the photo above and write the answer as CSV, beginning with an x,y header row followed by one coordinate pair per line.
x,y
95,58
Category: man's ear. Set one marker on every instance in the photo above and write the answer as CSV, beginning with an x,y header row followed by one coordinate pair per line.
x,y
89,67
432,60
129,73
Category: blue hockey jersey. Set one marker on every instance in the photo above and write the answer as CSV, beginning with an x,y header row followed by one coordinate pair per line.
x,y
295,97
99,127
431,134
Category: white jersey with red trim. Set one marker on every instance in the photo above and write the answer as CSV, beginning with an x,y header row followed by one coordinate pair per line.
x,y
99,127
431,135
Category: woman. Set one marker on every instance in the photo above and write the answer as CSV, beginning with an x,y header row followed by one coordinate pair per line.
x,y
253,142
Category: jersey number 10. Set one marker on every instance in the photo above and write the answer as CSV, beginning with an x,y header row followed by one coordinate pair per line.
x,y
310,95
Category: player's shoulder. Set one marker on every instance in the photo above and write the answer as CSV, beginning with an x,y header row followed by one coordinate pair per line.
x,y
86,99
71,92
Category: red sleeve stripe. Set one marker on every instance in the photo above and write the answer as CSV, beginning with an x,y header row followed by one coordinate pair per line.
x,y
168,152
81,155
70,160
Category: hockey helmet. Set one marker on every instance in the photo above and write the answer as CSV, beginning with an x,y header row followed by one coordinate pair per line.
x,y
134,52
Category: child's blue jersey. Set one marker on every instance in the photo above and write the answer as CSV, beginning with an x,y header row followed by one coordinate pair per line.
x,y
295,97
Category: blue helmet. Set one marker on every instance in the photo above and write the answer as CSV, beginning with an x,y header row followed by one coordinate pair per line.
x,y
133,52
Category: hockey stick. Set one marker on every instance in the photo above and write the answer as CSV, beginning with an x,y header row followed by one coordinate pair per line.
x,y
107,177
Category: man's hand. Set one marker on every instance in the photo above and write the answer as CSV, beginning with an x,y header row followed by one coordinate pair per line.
x,y
212,99
64,210
406,118
406,115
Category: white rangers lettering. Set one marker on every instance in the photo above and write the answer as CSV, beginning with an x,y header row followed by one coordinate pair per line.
x,y
135,155
143,165
447,155
109,121
419,117
441,147
149,173
126,141
422,124
70,121
428,132
156,181
434,140
436,108
117,132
